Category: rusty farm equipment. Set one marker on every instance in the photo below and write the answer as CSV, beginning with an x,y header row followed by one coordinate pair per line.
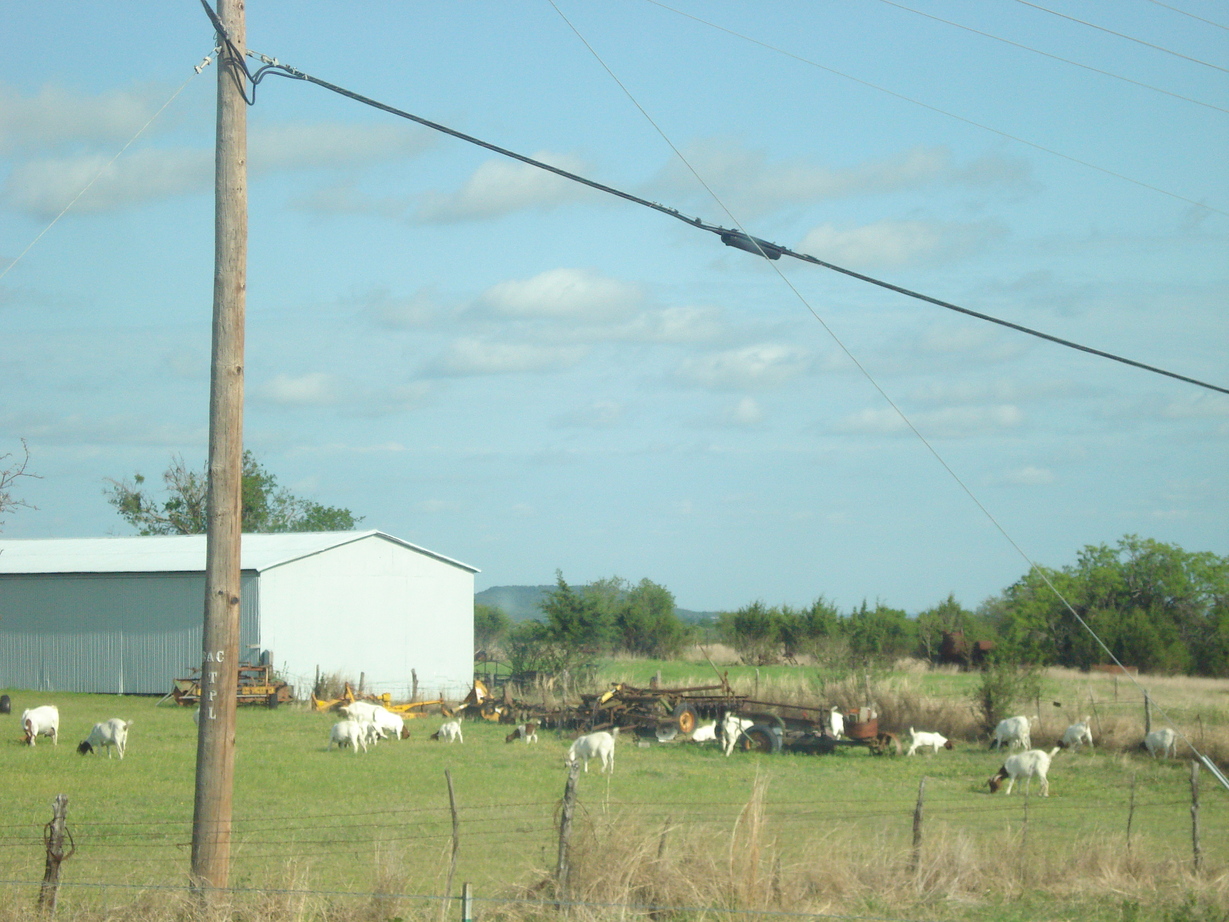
x,y
257,685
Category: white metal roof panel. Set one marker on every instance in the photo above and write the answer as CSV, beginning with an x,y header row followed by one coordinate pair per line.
x,y
175,553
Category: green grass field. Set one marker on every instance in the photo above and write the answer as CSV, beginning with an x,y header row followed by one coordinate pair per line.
x,y
677,824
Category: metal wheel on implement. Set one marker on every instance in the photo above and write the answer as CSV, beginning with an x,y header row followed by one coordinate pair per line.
x,y
685,716
760,738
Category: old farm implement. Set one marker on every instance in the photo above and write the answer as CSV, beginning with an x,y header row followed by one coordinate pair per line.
x,y
407,709
257,685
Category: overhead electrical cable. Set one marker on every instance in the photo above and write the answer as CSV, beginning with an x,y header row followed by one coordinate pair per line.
x,y
734,237
944,112
1129,38
1174,9
1054,57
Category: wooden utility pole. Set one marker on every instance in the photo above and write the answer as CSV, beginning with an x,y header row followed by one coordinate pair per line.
x,y
215,750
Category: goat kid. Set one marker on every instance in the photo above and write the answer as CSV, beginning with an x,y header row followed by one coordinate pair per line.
x,y
599,745
109,734
1076,735
836,722
732,728
1162,743
1034,763
921,739
449,732
352,733
527,732
705,733
41,721
1014,731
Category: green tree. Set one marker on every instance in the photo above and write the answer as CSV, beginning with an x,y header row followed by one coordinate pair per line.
x,y
581,621
648,623
879,634
491,627
1153,605
267,507
754,631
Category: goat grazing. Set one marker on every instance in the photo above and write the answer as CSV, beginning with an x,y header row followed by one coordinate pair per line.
x,y
1034,763
599,745
449,732
1163,743
732,728
527,732
920,739
1076,735
110,733
706,733
351,733
1014,731
389,724
41,721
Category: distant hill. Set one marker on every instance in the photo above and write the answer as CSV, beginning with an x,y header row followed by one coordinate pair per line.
x,y
524,603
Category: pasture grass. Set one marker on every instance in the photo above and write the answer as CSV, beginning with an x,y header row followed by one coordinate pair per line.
x,y
333,835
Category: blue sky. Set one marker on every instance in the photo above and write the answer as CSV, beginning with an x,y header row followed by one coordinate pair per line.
x,y
530,376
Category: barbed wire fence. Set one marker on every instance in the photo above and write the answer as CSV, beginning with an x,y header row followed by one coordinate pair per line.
x,y
114,856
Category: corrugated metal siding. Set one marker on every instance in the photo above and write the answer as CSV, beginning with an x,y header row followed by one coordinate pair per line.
x,y
109,633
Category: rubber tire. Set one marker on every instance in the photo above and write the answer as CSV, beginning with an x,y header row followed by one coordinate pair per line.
x,y
759,738
685,716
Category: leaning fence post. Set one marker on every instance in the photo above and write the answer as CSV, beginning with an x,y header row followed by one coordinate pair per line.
x,y
456,845
917,827
53,837
1198,852
565,831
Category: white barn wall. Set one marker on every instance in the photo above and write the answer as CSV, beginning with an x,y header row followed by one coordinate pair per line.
x,y
374,607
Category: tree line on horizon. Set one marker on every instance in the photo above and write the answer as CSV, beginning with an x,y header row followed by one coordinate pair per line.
x,y
1153,605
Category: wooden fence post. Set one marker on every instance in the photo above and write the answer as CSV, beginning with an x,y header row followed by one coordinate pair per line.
x,y
917,827
1147,714
565,832
456,845
53,837
1131,813
1197,851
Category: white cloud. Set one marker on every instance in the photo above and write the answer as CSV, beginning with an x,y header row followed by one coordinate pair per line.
x,y
574,294
601,414
315,389
764,365
500,187
57,117
1029,476
44,187
325,145
477,357
671,325
747,412
891,244
950,422
400,312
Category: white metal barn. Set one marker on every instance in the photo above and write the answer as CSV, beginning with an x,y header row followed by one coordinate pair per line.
x,y
125,615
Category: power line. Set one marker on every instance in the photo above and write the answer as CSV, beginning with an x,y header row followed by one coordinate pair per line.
x,y
1046,54
1129,38
1174,9
729,236
952,115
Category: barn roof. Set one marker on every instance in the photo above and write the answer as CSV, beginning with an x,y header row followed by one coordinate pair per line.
x,y
176,553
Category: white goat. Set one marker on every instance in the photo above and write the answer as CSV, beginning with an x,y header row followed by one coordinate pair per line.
x,y
360,710
110,733
706,733
599,745
449,732
836,722
1014,731
41,721
1078,734
921,739
389,724
351,733
1163,743
731,729
1027,765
